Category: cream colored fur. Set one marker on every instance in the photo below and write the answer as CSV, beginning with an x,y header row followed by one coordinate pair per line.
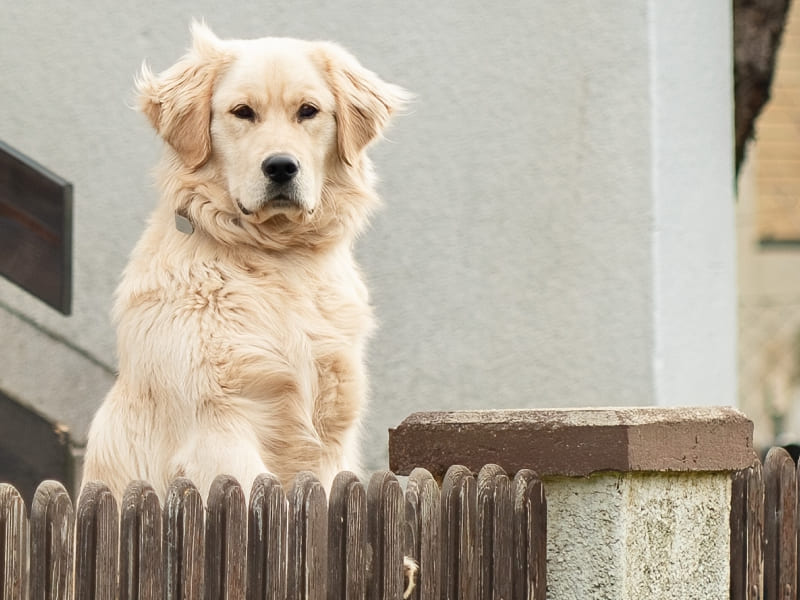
x,y
241,345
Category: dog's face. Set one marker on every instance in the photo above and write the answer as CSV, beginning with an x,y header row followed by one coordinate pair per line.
x,y
273,127
274,118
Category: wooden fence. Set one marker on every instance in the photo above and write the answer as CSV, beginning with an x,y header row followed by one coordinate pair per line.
x,y
764,530
475,538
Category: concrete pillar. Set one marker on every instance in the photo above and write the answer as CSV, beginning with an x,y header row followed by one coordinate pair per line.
x,y
638,500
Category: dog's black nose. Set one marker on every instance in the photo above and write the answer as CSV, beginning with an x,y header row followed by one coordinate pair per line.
x,y
280,168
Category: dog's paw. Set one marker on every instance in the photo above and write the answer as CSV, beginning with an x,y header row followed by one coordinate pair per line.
x,y
410,569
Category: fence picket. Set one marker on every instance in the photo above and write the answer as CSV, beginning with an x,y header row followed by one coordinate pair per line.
x,y
530,537
739,518
797,529
747,531
267,552
13,544
495,534
458,534
423,533
226,541
347,539
140,560
96,544
755,533
780,528
52,527
308,544
184,541
384,512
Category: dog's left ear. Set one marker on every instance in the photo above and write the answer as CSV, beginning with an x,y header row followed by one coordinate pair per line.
x,y
178,101
364,102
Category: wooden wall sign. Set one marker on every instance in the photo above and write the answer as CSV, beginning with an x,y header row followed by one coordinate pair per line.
x,y
35,229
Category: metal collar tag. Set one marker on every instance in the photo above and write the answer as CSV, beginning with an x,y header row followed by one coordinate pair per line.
x,y
184,224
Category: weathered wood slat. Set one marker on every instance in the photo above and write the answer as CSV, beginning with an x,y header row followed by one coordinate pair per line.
x,y
495,534
747,530
797,529
184,542
385,533
347,539
780,526
458,534
226,541
141,573
96,544
13,544
755,533
530,537
308,539
51,559
267,552
424,533
740,482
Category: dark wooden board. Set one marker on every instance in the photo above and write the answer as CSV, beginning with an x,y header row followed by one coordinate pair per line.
x,y
424,533
183,548
226,540
51,545
13,544
35,229
780,526
347,539
268,525
141,573
747,533
96,543
308,539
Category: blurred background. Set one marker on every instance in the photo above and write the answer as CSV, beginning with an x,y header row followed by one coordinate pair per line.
x,y
567,221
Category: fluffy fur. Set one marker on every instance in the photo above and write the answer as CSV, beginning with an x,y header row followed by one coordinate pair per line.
x,y
241,345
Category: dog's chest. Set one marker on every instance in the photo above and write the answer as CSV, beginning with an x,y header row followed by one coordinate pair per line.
x,y
318,298
314,315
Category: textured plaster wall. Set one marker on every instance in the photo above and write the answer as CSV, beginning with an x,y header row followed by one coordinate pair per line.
x,y
556,199
630,536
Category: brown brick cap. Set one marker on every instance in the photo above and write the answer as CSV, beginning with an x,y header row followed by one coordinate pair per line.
x,y
575,442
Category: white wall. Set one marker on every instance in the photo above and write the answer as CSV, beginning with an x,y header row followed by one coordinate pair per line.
x,y
557,228
694,232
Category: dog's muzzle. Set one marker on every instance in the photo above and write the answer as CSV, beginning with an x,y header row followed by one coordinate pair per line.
x,y
282,188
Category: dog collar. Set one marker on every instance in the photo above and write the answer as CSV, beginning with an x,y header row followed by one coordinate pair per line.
x,y
183,223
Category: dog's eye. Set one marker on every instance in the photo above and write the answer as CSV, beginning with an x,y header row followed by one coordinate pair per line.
x,y
242,111
307,111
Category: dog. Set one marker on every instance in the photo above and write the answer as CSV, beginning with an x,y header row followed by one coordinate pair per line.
x,y
242,317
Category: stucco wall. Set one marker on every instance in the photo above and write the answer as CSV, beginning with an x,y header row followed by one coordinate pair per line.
x,y
627,536
558,198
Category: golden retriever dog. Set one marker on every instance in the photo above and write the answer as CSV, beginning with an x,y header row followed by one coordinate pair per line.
x,y
242,317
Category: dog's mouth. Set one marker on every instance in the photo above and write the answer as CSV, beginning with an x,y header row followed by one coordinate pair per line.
x,y
283,201
277,202
242,208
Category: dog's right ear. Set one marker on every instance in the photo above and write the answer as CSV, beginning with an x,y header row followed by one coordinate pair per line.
x,y
178,101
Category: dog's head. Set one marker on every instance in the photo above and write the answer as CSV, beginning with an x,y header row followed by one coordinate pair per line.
x,y
273,119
